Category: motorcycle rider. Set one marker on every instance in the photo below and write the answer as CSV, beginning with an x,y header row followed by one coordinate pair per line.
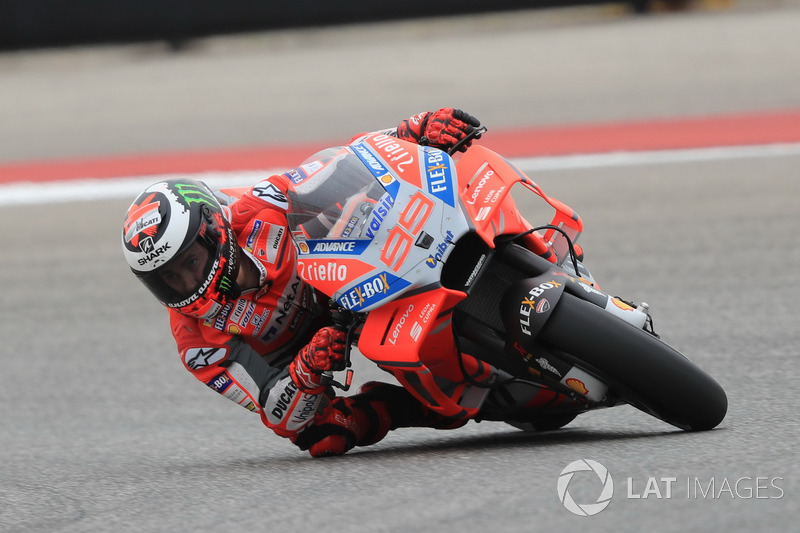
x,y
246,324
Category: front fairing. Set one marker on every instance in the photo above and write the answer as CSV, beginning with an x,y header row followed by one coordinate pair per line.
x,y
374,219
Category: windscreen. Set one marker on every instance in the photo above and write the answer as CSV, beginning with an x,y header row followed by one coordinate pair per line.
x,y
334,196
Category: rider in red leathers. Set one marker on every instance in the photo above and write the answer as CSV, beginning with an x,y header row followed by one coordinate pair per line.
x,y
246,324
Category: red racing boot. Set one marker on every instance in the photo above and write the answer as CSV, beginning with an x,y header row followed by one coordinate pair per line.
x,y
365,418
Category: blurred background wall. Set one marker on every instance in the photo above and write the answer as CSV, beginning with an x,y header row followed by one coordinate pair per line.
x,y
38,23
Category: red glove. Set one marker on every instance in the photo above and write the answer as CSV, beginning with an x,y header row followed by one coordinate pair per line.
x,y
441,129
324,353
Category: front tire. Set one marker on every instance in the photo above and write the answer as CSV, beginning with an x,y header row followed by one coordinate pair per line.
x,y
543,422
644,371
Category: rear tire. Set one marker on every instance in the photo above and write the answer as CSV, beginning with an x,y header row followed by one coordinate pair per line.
x,y
644,371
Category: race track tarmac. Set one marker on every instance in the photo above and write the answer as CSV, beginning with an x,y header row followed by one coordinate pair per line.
x,y
103,429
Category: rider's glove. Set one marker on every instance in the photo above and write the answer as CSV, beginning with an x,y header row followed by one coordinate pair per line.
x,y
441,129
324,353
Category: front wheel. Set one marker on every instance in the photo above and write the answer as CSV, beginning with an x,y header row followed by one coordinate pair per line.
x,y
644,371
543,422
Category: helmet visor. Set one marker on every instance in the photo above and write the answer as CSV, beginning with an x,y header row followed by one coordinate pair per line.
x,y
185,277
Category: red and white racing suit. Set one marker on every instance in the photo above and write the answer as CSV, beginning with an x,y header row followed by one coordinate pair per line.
x,y
242,352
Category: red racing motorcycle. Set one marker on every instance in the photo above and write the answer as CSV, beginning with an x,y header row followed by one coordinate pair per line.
x,y
440,280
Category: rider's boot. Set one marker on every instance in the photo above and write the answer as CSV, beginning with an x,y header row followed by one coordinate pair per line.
x,y
365,418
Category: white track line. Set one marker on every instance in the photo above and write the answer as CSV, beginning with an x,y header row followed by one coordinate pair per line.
x,y
116,188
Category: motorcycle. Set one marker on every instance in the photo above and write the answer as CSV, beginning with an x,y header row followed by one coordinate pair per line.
x,y
439,279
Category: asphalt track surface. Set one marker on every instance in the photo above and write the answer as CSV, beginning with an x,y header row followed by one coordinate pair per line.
x,y
103,430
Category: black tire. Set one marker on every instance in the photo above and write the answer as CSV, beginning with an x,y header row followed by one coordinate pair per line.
x,y
644,371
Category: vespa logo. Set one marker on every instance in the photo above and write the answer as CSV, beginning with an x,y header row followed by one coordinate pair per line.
x,y
566,477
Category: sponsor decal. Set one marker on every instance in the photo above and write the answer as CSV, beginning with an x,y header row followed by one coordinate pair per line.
x,y
219,320
483,213
395,333
622,305
200,290
486,190
254,233
220,383
529,304
545,365
284,400
154,254
391,185
475,270
282,309
268,192
587,288
576,385
248,314
339,246
236,394
274,240
415,332
258,322
193,194
305,409
543,306
147,245
347,247
439,175
393,151
370,160
434,259
201,357
296,175
426,312
372,290
379,212
144,218
319,271
291,408
312,167
351,225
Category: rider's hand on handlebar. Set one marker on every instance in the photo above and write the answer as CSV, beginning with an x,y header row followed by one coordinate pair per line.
x,y
441,129
325,353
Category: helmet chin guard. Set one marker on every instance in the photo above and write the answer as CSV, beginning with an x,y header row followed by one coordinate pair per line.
x,y
161,226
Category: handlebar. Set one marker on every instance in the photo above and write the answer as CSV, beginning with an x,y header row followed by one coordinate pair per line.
x,y
474,134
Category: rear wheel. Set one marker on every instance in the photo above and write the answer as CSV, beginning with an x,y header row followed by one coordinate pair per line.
x,y
643,370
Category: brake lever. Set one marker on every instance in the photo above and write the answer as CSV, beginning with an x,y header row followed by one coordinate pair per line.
x,y
347,321
474,134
